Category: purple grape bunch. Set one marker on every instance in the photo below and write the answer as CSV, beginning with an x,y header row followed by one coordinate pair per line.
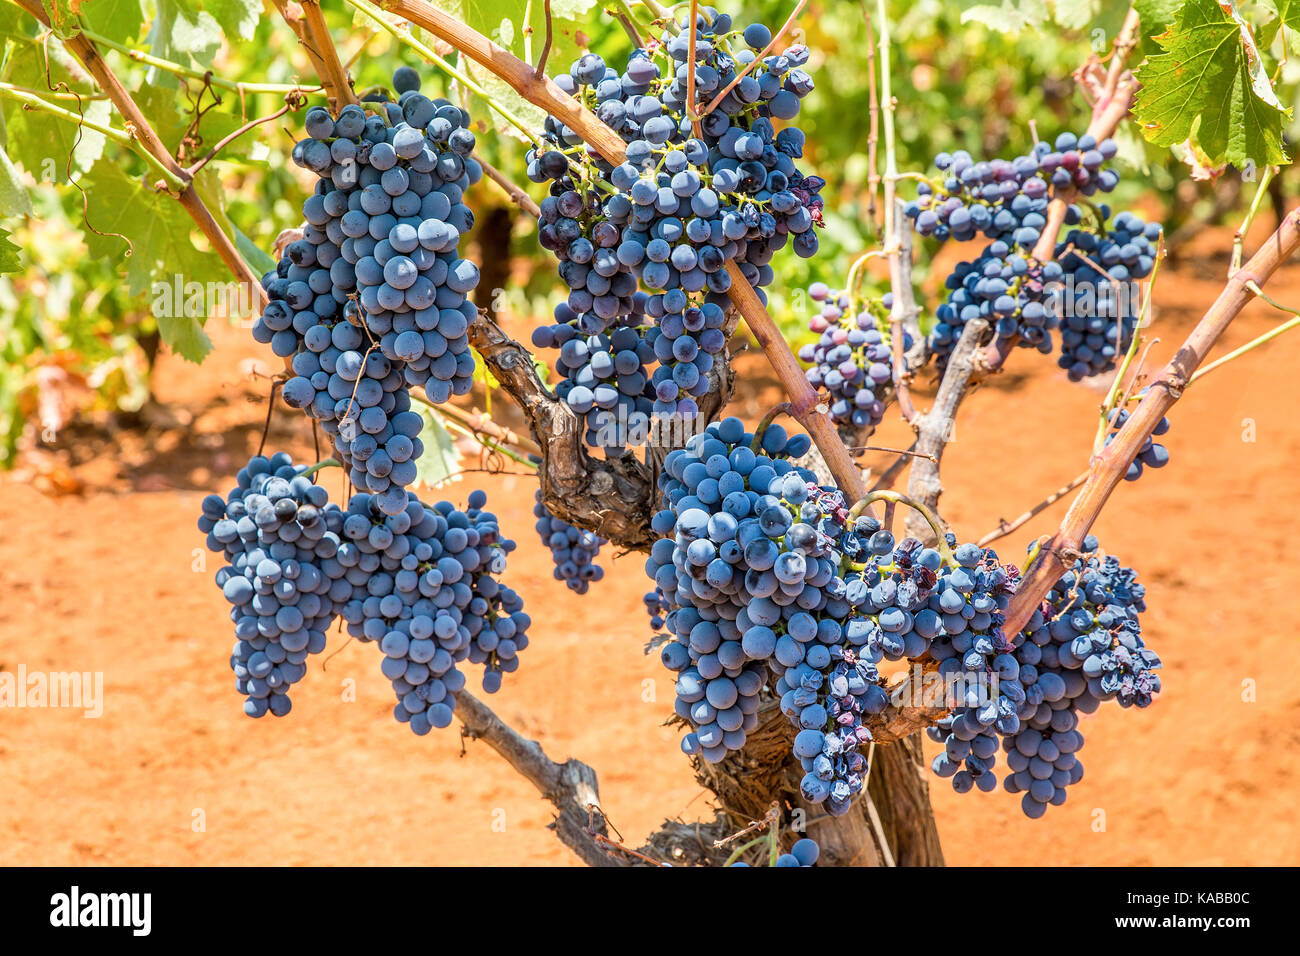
x,y
676,216
372,300
852,358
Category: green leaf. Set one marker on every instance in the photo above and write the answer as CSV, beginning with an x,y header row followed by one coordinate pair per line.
x,y
504,94
1075,14
13,193
185,29
568,19
261,261
119,20
162,252
14,22
43,143
8,254
63,16
1210,83
1156,16
39,142
1286,13
1009,17
440,462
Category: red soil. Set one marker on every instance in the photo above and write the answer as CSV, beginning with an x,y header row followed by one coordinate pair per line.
x,y
114,580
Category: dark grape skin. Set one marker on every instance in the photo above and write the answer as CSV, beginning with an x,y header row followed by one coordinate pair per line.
x,y
679,209
1083,647
747,525
373,300
1006,201
573,550
422,583
851,359
279,536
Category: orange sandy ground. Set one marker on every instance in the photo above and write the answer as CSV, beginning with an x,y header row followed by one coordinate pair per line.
x,y
173,773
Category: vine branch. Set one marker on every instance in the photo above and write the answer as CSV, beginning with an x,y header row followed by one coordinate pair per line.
x,y
1110,465
571,786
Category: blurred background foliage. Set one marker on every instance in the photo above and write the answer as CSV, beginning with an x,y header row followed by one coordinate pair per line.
x,y
958,83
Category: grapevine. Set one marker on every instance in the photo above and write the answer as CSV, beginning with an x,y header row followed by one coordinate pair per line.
x,y
676,213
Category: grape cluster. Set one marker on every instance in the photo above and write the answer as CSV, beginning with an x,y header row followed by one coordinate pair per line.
x,y
572,549
1078,161
1101,303
718,570
767,575
1081,647
656,606
1150,455
425,591
280,538
1006,202
371,301
851,358
1001,199
600,372
497,624
676,211
971,598
1007,199
1007,289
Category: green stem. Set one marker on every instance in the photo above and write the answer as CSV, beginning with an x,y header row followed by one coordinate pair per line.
x,y
1238,240
901,499
327,463
528,31
489,443
116,135
1255,342
627,12
403,37
887,111
482,439
736,854
1112,396
167,66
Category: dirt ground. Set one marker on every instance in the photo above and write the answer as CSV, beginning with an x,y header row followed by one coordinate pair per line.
x,y
114,580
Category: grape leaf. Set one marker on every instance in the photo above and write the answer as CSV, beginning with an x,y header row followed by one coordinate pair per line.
x,y
8,254
183,30
13,193
257,257
1156,16
63,16
503,93
1075,14
440,462
1009,17
40,142
163,249
1286,14
119,20
567,16
13,22
1209,83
